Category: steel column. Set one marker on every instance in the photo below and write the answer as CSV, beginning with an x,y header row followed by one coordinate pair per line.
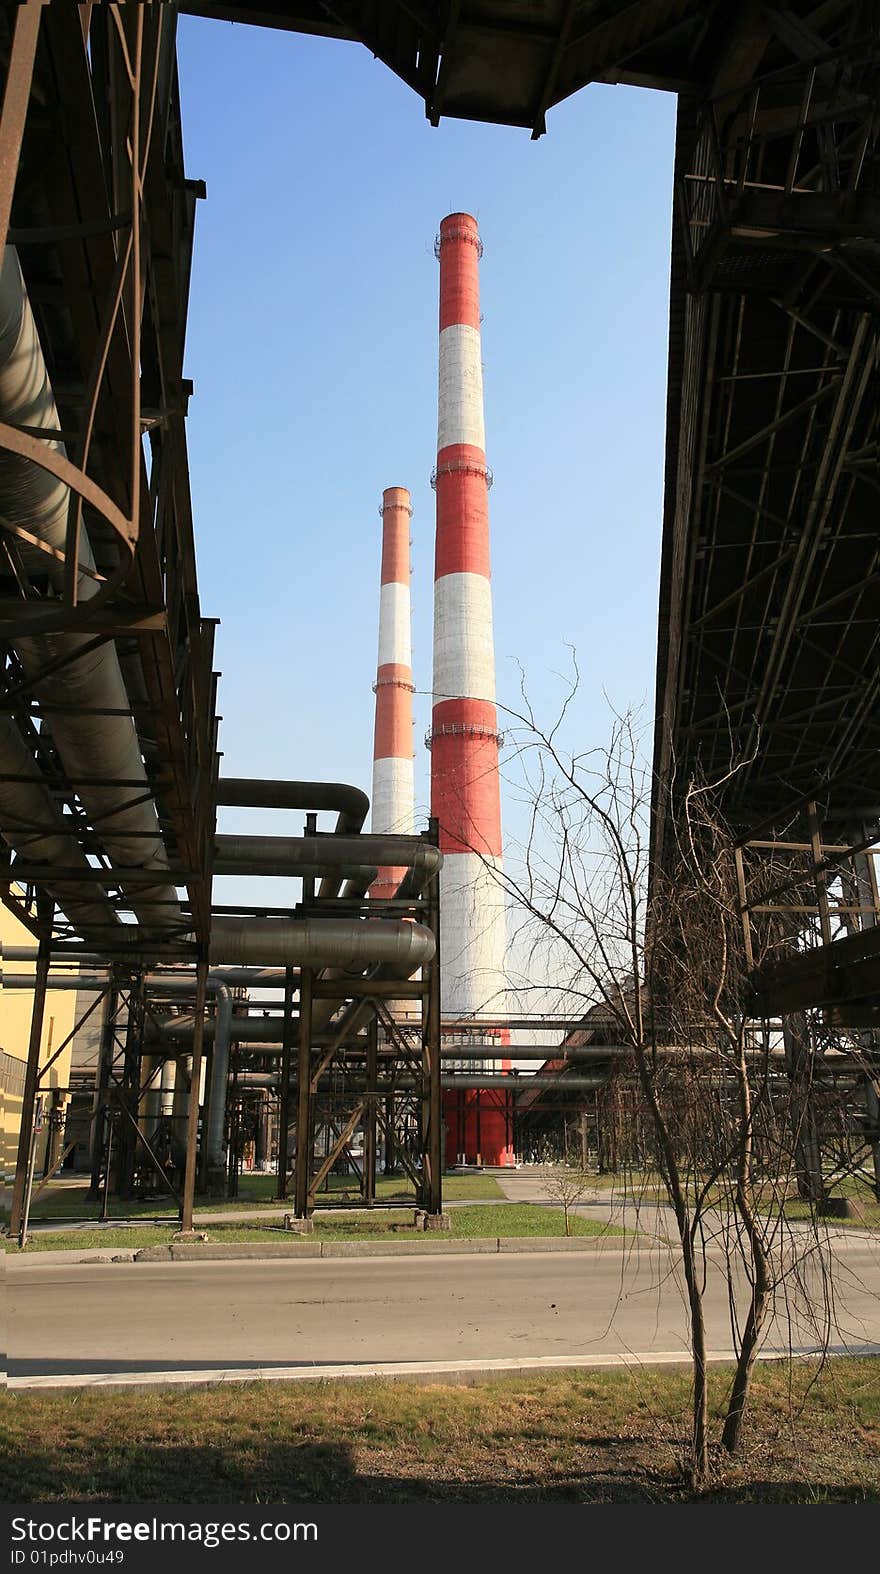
x,y
303,1097
100,1112
284,1099
369,1181
192,1124
388,1123
807,1151
31,1079
431,1105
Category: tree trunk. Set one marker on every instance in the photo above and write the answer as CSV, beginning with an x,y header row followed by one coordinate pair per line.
x,y
699,1462
736,1409
761,1273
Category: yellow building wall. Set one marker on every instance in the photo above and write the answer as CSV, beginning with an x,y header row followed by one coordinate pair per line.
x,y
16,1006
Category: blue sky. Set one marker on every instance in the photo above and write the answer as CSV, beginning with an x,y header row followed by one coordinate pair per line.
x,y
313,348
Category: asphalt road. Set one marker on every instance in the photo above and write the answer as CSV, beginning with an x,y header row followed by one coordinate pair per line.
x,y
314,1316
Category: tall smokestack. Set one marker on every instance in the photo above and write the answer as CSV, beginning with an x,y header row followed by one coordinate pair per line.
x,y
393,787
464,739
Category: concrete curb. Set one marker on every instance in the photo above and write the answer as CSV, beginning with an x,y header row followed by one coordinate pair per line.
x,y
461,1372
180,1251
428,1247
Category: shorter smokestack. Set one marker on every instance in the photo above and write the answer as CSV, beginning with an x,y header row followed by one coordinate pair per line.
x,y
393,780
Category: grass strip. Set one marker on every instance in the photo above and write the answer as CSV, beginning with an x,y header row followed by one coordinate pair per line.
x,y
65,1201
483,1222
593,1436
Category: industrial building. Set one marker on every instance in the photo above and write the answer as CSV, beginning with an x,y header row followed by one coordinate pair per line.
x,y
376,1004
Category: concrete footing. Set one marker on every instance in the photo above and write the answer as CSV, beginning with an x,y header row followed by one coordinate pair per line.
x,y
840,1208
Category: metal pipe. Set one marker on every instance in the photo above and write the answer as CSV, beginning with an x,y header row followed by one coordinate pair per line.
x,y
488,1080
351,805
331,987
219,1075
85,981
312,856
326,942
29,953
248,1030
352,944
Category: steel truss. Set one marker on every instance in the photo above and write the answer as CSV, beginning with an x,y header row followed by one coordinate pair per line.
x,y
102,219
769,642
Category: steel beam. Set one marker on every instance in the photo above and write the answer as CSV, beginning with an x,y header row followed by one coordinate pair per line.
x,y
192,1124
23,1166
303,1098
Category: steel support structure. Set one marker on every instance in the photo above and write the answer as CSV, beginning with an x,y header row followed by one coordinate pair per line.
x,y
303,1099
336,1039
192,1128
23,1167
768,641
371,1122
284,1101
432,1103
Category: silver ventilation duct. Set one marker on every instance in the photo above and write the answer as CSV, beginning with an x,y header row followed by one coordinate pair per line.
x,y
31,824
91,746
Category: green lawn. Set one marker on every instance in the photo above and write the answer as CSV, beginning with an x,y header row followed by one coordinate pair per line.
x,y
591,1436
522,1218
61,1200
483,1222
647,1187
868,1216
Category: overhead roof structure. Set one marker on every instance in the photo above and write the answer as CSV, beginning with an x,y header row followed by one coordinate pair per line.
x,y
509,61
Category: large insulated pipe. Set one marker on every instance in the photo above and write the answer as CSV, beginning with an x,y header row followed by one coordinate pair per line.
x,y
31,825
304,856
264,1033
248,1030
393,778
349,803
99,742
351,944
326,942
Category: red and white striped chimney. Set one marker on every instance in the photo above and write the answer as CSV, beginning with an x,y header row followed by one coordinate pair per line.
x,y
464,739
393,784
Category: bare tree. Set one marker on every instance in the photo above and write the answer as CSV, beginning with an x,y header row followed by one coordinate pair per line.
x,y
567,1185
656,952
